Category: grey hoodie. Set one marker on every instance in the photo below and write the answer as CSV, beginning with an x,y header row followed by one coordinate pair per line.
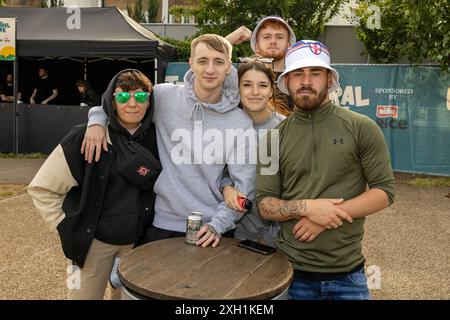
x,y
187,182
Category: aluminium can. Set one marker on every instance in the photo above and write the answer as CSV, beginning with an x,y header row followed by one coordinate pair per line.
x,y
193,224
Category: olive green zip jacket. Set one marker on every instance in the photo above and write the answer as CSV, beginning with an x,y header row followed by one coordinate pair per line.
x,y
329,152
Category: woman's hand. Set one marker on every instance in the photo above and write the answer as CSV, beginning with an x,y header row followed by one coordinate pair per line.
x,y
230,196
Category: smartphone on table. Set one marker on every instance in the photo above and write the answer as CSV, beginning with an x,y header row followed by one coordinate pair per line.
x,y
256,247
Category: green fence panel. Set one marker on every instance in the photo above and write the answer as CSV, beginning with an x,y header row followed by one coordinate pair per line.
x,y
411,105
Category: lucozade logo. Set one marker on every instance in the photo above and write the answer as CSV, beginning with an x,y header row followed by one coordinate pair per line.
x,y
387,112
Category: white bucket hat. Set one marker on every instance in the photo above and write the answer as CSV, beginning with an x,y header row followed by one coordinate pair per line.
x,y
273,18
307,53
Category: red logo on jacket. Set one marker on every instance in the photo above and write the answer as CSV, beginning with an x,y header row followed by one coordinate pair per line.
x,y
143,171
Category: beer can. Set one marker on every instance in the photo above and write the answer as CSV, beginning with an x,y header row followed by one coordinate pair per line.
x,y
193,224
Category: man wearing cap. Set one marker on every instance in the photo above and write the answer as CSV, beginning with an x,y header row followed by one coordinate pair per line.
x,y
334,169
270,39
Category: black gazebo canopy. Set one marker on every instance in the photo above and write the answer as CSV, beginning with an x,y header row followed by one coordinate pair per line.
x,y
102,32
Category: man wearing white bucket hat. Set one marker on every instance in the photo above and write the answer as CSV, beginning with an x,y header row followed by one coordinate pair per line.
x,y
334,169
270,39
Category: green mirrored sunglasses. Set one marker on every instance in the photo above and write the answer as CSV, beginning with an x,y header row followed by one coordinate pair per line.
x,y
139,96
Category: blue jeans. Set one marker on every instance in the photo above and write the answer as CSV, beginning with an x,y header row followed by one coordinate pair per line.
x,y
350,287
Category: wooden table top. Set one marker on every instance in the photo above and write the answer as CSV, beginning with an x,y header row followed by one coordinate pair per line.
x,y
173,269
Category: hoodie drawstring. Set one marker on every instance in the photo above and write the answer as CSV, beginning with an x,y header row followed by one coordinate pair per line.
x,y
197,112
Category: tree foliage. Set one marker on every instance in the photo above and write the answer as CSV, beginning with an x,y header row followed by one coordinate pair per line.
x,y
137,12
417,30
52,3
152,10
183,47
306,17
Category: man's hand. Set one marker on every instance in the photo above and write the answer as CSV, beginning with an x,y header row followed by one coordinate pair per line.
x,y
44,102
325,213
94,140
207,235
306,230
230,197
239,35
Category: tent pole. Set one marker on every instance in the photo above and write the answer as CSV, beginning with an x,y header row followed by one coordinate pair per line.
x,y
16,106
156,70
85,68
16,111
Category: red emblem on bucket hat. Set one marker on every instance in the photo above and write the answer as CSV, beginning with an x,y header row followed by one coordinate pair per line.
x,y
315,48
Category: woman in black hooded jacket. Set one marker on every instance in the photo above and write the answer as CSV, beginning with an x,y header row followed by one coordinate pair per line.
x,y
102,210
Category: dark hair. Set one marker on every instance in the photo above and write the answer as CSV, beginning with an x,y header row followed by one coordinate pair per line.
x,y
83,83
256,64
133,80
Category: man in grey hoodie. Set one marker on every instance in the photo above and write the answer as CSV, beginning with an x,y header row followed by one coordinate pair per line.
x,y
196,126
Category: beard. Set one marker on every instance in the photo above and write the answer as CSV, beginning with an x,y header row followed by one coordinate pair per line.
x,y
308,102
279,55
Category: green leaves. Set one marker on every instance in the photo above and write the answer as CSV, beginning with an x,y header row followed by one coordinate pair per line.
x,y
416,30
51,3
306,17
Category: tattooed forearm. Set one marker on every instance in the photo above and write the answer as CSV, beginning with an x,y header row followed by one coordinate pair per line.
x,y
276,209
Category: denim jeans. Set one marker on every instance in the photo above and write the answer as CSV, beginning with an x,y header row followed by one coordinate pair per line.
x,y
350,287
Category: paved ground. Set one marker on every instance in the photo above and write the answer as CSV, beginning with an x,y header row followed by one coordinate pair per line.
x,y
406,246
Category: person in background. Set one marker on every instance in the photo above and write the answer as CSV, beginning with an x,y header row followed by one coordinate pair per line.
x,y
88,97
7,90
270,39
103,210
45,90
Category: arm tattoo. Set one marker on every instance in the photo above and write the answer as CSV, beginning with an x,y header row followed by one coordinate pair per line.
x,y
283,209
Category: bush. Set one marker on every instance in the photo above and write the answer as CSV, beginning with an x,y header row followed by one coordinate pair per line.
x,y
183,47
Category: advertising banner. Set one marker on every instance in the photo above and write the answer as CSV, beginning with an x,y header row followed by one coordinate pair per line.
x,y
410,105
7,39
